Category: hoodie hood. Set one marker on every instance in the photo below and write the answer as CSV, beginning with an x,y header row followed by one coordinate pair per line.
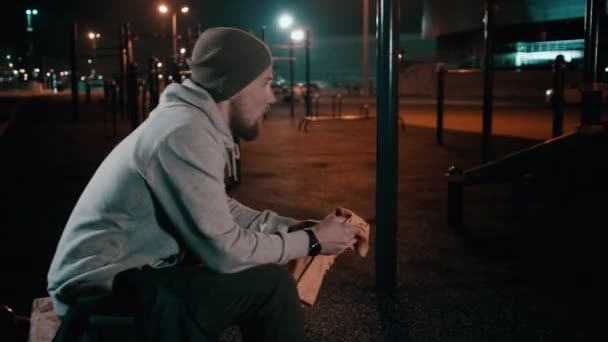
x,y
190,94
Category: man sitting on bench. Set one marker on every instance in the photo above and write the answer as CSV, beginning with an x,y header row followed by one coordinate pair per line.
x,y
160,195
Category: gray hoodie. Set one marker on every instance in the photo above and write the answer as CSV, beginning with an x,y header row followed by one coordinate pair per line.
x,y
162,188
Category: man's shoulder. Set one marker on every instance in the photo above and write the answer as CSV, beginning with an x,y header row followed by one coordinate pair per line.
x,y
181,122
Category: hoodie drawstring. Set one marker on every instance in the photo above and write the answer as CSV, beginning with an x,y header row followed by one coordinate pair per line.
x,y
234,154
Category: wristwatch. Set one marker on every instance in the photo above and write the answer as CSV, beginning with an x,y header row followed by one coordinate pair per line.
x,y
314,247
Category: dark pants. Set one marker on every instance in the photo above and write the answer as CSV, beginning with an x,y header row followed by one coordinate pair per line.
x,y
190,303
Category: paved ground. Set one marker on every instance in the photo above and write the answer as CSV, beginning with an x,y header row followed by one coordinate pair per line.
x,y
500,280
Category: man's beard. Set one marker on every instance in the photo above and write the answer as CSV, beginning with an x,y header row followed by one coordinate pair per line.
x,y
239,126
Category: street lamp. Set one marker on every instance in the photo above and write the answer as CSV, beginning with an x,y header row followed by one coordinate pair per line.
x,y
29,13
164,9
30,31
298,35
93,36
285,21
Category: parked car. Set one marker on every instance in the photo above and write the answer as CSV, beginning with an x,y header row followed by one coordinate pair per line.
x,y
8,78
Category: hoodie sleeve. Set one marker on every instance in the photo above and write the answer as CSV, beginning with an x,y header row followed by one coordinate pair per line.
x,y
186,176
261,221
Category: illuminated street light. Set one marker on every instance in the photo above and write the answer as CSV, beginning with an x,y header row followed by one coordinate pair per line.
x,y
29,13
164,9
10,65
8,57
182,51
285,21
297,35
89,61
91,35
159,65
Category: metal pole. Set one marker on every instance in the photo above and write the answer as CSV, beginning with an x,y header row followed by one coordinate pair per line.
x,y
307,44
87,88
143,91
114,107
333,105
592,72
153,81
557,97
132,95
455,197
441,71
122,82
387,145
365,51
292,58
174,34
74,69
263,33
488,82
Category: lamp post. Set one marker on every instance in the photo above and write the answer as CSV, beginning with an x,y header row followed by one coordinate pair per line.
x,y
30,34
286,21
300,35
164,9
93,36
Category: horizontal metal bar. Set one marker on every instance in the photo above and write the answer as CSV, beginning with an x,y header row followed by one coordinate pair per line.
x,y
283,58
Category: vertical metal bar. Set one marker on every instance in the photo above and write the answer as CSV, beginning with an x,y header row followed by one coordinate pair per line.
x,y
132,94
365,50
74,69
333,105
292,76
455,197
557,96
153,81
122,82
263,33
488,81
144,94
114,106
174,35
307,44
592,73
441,71
87,89
387,145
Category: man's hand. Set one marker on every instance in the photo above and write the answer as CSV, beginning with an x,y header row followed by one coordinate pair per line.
x,y
334,235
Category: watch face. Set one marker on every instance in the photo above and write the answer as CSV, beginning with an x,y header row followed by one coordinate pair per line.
x,y
315,248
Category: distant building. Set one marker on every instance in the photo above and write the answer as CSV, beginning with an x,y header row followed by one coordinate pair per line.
x,y
528,32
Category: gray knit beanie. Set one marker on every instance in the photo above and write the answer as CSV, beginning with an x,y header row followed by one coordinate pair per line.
x,y
225,60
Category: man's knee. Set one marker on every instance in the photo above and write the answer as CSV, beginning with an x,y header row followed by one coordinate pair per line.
x,y
277,277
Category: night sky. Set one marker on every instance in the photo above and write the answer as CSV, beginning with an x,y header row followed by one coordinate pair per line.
x,y
326,17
